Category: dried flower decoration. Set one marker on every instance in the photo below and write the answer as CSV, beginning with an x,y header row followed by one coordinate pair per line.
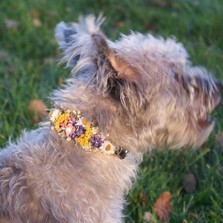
x,y
72,126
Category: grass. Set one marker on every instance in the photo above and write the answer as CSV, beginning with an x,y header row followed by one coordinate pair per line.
x,y
28,70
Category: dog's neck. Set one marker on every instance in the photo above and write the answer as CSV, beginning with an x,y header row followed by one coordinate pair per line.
x,y
72,126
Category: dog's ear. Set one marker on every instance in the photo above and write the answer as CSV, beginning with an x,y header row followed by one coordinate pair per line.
x,y
86,48
123,83
66,35
123,70
75,39
84,40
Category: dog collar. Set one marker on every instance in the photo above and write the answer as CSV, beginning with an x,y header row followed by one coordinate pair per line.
x,y
72,126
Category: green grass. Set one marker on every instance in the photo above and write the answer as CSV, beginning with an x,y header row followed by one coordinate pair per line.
x,y
28,70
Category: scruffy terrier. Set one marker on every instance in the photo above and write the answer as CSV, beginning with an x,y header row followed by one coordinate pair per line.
x,y
123,99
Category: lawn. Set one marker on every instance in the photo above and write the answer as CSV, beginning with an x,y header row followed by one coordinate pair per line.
x,y
28,70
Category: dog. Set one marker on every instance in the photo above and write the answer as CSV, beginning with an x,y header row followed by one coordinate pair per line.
x,y
123,99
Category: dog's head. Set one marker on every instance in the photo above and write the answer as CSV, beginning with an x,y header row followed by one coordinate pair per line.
x,y
146,86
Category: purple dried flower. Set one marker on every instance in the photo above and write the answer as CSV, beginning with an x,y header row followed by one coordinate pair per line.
x,y
96,141
80,130
73,135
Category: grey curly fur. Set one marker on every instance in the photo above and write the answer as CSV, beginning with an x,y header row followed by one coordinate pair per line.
x,y
141,90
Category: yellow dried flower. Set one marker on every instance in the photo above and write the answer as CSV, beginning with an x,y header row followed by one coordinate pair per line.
x,y
61,119
84,139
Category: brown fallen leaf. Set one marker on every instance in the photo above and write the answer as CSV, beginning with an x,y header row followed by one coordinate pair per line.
x,y
162,206
143,199
36,18
34,13
37,109
119,24
37,22
189,183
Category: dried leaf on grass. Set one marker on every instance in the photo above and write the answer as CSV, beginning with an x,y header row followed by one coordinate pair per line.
x,y
119,24
189,183
37,109
143,199
162,206
37,22
36,18
34,14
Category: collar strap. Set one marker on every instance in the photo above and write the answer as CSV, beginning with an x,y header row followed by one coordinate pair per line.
x,y
72,126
